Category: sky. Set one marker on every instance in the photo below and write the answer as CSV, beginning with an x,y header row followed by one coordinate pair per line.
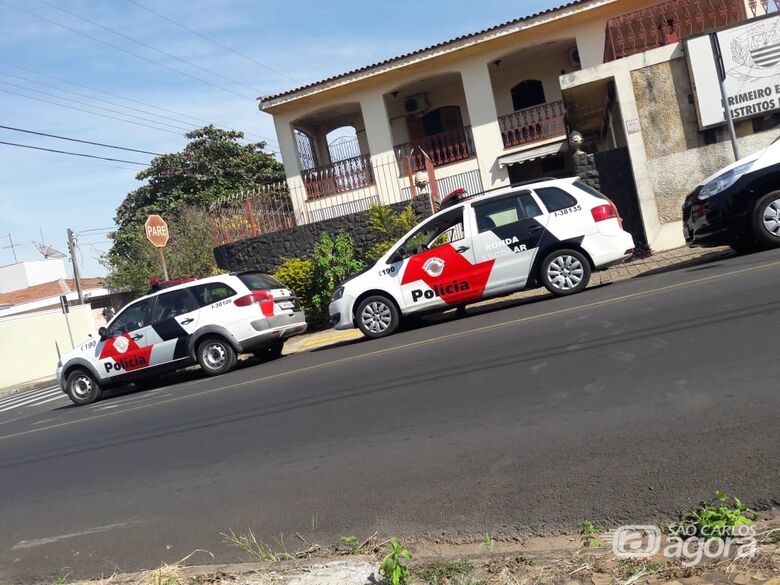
x,y
157,81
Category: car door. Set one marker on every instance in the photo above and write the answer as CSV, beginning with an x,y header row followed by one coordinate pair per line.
x,y
437,265
507,231
174,319
125,349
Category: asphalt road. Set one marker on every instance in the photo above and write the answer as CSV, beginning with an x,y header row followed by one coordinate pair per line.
x,y
624,404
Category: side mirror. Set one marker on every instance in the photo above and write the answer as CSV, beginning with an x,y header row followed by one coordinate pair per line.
x,y
103,332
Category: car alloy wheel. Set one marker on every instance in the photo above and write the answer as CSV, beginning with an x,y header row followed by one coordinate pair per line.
x,y
771,218
565,272
376,317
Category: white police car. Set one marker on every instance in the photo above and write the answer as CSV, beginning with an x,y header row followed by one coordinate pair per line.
x,y
207,321
552,232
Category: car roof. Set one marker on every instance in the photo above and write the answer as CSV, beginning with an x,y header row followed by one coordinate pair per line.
x,y
207,280
498,191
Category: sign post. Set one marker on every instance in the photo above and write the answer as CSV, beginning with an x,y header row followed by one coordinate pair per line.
x,y
65,310
157,233
718,56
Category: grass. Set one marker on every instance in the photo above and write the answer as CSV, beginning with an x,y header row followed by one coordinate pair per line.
x,y
588,533
442,572
257,549
489,542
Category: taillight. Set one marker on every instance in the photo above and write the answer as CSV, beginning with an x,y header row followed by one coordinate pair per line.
x,y
257,296
605,212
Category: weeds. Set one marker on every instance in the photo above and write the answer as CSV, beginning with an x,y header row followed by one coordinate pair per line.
x,y
489,542
395,567
257,549
714,518
315,523
442,572
349,544
588,533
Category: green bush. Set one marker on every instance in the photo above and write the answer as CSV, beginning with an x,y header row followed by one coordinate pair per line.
x,y
314,280
388,225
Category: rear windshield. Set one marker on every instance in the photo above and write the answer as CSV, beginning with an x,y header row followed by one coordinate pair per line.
x,y
590,190
259,281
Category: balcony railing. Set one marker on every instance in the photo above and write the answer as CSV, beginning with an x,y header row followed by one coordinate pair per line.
x,y
338,177
532,124
444,148
670,22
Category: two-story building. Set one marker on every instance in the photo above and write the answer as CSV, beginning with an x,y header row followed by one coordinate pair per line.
x,y
497,106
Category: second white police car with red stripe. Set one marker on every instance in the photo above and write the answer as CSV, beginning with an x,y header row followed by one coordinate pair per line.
x,y
552,232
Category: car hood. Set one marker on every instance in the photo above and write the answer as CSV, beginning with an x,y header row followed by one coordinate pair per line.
x,y
744,160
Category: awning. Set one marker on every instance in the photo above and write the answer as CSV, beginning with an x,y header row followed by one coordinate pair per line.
x,y
529,154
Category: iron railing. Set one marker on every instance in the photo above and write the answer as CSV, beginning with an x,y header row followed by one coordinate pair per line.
x,y
338,177
672,21
443,149
532,124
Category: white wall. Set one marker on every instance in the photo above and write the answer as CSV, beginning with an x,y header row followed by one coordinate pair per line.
x,y
25,274
27,343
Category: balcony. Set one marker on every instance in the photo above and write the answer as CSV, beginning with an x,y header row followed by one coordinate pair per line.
x,y
533,124
338,177
443,149
672,21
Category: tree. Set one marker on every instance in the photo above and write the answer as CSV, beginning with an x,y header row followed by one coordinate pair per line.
x,y
212,165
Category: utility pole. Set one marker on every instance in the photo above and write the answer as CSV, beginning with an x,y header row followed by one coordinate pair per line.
x,y
723,93
76,277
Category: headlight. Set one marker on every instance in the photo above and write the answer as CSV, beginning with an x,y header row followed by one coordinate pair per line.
x,y
723,182
338,293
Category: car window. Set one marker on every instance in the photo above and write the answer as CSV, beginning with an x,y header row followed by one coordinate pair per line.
x,y
259,281
445,229
133,317
497,213
590,190
206,294
173,304
555,199
529,205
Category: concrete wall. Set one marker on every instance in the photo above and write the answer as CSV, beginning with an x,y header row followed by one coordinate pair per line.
x,y
267,252
672,139
27,343
24,274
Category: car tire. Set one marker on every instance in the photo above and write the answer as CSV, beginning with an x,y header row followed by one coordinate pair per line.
x,y
82,387
743,247
377,316
216,356
766,220
272,351
565,272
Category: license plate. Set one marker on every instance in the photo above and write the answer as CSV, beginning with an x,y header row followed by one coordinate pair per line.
x,y
286,304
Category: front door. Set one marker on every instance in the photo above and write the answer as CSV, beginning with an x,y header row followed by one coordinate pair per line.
x,y
438,267
125,348
174,319
508,231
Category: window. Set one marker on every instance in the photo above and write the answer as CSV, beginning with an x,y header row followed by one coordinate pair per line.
x,y
590,190
505,211
442,120
214,292
445,229
527,94
555,199
173,304
259,281
134,317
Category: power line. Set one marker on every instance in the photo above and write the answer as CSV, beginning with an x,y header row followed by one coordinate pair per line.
x,y
88,111
146,45
128,99
209,39
122,49
132,162
112,110
79,140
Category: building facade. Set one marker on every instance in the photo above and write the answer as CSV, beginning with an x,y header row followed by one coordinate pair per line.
x,y
497,106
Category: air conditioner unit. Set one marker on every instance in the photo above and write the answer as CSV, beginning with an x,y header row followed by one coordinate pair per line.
x,y
574,57
415,104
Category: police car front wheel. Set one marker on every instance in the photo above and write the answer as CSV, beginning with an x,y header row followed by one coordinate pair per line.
x,y
377,316
216,356
82,388
565,272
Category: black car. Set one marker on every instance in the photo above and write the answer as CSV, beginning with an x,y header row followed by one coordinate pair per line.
x,y
739,206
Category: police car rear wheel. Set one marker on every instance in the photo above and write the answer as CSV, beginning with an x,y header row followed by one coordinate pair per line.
x,y
766,219
216,356
565,272
82,388
377,317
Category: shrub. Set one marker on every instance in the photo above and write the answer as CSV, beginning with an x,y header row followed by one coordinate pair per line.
x,y
298,275
388,225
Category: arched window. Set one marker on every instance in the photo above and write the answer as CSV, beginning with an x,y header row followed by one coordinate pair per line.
x,y
442,120
307,153
528,93
343,143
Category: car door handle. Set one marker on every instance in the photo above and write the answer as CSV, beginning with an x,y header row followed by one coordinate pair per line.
x,y
463,249
136,337
187,321
535,229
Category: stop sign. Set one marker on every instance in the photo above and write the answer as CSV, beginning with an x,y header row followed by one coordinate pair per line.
x,y
156,231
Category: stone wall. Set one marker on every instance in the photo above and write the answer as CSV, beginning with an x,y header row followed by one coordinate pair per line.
x,y
266,252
